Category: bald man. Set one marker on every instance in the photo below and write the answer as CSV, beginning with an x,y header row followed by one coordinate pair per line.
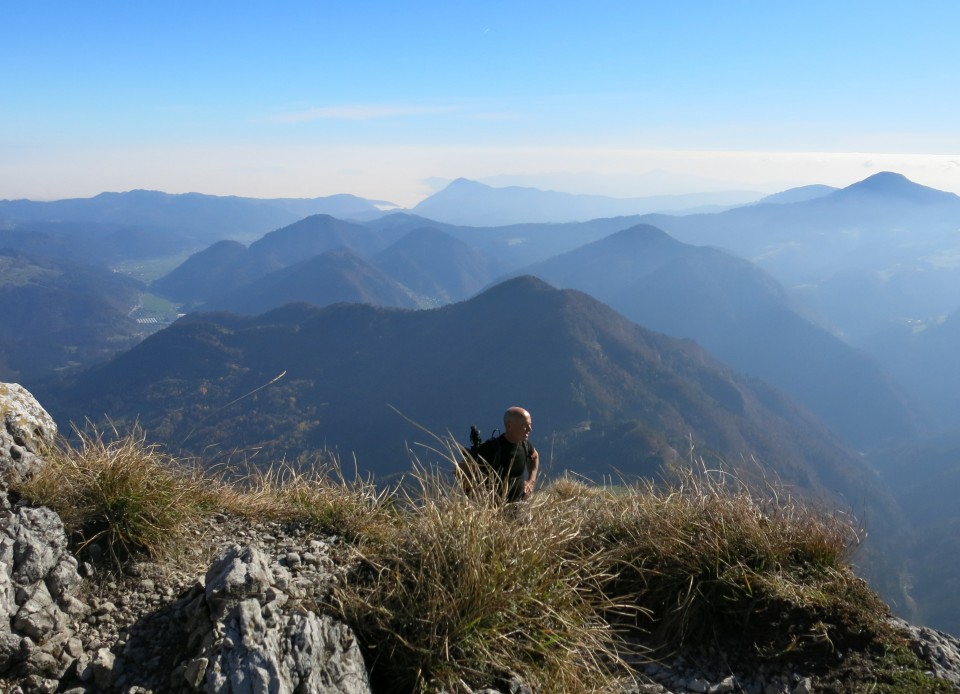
x,y
512,457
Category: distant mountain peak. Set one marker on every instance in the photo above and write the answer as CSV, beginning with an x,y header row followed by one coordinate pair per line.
x,y
884,180
892,184
524,284
465,184
472,203
645,233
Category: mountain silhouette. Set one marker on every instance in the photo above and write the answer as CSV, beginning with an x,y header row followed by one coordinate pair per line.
x,y
890,186
607,395
207,273
313,235
472,203
232,266
94,243
743,317
439,263
861,257
202,218
436,265
801,194
335,276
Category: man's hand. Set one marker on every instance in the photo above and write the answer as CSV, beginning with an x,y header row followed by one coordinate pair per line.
x,y
527,489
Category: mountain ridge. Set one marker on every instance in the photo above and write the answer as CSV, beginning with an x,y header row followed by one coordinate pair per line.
x,y
599,363
333,276
742,316
471,203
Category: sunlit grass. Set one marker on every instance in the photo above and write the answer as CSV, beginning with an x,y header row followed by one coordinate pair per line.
x,y
450,590
123,496
318,494
467,590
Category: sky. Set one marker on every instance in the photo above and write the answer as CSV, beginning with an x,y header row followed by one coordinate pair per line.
x,y
390,100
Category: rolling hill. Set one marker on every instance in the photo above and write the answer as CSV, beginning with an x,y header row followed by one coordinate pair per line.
x,y
227,266
437,266
94,243
202,218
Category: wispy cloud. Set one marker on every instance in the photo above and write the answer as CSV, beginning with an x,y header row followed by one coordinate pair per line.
x,y
359,112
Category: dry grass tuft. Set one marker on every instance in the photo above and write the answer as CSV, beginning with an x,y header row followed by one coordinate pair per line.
x,y
706,557
456,591
466,590
318,494
121,497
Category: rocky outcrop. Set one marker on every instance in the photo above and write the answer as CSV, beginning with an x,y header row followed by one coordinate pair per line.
x,y
250,624
248,627
27,434
38,575
941,651
255,634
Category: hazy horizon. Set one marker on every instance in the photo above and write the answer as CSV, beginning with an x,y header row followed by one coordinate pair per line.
x,y
386,102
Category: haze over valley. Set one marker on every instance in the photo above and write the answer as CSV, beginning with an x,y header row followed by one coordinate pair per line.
x,y
640,342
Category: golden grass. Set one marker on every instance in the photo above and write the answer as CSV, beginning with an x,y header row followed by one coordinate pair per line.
x,y
706,557
465,590
318,494
123,496
455,591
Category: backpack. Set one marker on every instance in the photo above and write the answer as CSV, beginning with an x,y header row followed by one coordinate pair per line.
x,y
496,463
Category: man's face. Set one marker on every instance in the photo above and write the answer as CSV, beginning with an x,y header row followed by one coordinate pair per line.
x,y
519,427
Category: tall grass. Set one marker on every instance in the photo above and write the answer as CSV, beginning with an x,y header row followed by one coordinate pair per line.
x,y
314,492
121,496
465,590
454,590
707,557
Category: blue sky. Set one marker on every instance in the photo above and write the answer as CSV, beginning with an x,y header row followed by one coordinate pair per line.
x,y
391,100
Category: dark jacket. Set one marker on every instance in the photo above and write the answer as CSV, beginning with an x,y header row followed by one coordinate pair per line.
x,y
509,461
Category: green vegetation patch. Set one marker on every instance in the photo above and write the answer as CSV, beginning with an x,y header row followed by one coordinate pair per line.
x,y
156,307
16,273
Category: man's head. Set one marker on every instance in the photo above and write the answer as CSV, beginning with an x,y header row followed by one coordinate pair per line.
x,y
517,424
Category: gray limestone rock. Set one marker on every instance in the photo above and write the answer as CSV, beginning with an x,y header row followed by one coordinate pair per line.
x,y
38,575
103,668
940,650
237,574
258,642
27,433
39,543
38,615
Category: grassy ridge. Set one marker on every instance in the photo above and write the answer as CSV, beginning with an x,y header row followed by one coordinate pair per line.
x,y
448,588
